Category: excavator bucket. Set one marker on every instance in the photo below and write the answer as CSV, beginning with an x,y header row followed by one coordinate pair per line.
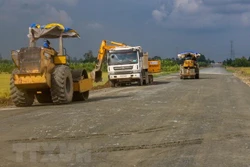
x,y
96,75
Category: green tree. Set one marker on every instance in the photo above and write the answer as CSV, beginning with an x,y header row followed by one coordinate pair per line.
x,y
241,62
89,57
157,58
202,58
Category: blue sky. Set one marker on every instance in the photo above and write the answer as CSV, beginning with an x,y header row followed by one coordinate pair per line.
x,y
161,27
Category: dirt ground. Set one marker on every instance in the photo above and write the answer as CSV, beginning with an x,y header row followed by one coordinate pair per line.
x,y
197,122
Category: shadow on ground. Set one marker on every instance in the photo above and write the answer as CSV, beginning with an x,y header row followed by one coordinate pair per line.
x,y
201,78
94,99
160,82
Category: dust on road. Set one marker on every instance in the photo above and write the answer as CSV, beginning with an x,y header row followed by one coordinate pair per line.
x,y
174,122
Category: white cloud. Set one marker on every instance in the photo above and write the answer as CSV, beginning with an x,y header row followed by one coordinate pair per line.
x,y
245,18
200,13
51,14
45,11
94,25
188,6
65,2
33,2
159,14
179,8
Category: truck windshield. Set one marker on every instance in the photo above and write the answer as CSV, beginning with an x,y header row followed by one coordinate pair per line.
x,y
116,58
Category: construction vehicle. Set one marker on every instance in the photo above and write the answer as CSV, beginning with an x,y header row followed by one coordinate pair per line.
x,y
189,68
154,66
125,64
43,73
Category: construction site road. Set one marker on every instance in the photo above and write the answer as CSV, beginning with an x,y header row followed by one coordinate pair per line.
x,y
175,123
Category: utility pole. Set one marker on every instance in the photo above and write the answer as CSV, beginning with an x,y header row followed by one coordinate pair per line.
x,y
232,50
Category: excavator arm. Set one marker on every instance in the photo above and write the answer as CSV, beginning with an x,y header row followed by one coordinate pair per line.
x,y
96,74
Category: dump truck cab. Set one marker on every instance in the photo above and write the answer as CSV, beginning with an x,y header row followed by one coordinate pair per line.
x,y
124,64
128,64
43,73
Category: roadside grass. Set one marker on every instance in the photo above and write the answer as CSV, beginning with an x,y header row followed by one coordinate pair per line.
x,y
4,85
231,69
4,89
239,70
243,73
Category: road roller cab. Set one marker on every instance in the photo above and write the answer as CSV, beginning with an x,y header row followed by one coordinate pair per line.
x,y
43,73
189,67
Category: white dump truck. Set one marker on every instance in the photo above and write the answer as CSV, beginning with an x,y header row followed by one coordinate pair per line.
x,y
128,64
125,64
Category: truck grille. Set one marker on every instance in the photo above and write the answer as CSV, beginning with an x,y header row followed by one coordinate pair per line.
x,y
123,68
123,72
30,60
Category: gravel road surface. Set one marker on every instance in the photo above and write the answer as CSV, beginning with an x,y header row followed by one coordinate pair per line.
x,y
174,123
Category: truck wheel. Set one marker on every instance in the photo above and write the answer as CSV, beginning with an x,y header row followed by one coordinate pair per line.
x,y
197,76
44,97
61,85
140,82
20,98
112,84
150,79
146,81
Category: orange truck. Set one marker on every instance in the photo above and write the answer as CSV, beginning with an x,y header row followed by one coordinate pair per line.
x,y
154,66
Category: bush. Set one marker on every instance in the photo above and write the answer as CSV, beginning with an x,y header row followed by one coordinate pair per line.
x,y
169,65
87,66
6,67
203,64
238,62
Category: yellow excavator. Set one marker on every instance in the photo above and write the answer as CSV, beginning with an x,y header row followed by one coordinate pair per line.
x,y
96,74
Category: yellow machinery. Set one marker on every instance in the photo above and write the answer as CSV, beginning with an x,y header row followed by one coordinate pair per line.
x,y
154,66
44,73
96,74
189,68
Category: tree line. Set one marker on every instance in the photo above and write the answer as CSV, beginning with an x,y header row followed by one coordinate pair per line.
x,y
237,62
88,62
